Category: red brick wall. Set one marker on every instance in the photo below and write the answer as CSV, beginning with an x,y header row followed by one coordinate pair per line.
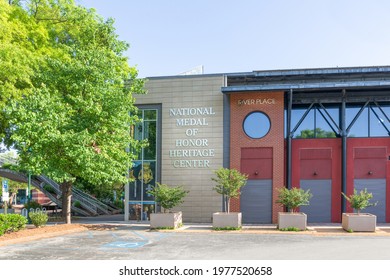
x,y
274,138
39,197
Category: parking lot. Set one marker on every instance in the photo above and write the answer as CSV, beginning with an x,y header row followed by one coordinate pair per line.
x,y
136,242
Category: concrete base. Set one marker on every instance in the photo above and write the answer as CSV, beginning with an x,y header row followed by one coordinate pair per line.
x,y
361,222
166,220
289,220
223,220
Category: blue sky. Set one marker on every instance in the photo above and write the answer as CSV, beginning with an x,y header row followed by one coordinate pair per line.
x,y
170,37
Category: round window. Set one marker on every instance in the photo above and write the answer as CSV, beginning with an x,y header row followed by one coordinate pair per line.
x,y
256,125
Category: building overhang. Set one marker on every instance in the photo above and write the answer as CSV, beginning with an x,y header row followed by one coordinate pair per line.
x,y
309,80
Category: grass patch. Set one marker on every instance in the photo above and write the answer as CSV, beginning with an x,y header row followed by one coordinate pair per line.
x,y
226,228
163,228
290,229
168,228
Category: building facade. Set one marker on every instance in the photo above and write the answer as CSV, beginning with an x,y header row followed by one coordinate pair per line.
x,y
326,130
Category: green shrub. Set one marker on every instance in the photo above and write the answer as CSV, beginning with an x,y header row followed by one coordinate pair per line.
x,y
293,198
17,222
119,204
226,228
38,218
290,229
32,204
361,200
168,197
49,189
77,204
11,223
3,229
229,183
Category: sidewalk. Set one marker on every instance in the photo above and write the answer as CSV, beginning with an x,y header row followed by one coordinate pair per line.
x,y
313,228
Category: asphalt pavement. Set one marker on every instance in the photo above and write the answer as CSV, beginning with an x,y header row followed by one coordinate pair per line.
x,y
115,239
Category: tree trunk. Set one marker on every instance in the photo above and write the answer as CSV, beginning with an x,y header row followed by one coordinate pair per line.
x,y
12,198
228,204
66,188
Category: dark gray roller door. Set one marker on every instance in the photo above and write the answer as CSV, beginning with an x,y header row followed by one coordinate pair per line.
x,y
319,210
256,202
378,189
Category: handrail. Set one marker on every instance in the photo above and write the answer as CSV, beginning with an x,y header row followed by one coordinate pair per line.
x,y
91,205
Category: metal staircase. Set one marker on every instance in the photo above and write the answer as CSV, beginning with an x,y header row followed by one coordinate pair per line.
x,y
87,206
88,202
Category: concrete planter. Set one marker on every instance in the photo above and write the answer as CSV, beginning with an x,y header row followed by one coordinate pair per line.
x,y
223,220
289,220
361,222
166,220
9,211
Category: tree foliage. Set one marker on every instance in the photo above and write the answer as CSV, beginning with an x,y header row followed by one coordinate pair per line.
x,y
75,124
361,200
317,133
19,55
168,197
229,183
293,198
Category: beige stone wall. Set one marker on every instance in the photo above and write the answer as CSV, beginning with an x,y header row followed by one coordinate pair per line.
x,y
192,114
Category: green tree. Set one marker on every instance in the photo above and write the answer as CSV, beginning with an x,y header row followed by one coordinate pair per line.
x,y
76,122
168,197
317,133
293,198
229,183
360,201
19,55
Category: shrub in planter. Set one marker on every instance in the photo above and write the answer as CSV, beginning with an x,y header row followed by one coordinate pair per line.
x,y
360,201
292,199
167,197
229,182
359,221
38,218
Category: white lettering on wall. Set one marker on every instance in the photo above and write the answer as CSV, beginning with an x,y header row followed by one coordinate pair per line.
x,y
264,101
191,111
190,152
191,122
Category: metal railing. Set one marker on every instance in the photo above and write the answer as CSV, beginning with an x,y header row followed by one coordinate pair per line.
x,y
89,204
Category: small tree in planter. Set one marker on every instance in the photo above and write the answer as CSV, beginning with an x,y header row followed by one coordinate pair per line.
x,y
167,197
229,182
292,199
359,221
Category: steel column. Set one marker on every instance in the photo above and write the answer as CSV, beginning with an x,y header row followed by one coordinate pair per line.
x,y
344,135
289,139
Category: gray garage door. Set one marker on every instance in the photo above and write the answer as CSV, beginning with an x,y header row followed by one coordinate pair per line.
x,y
319,210
256,202
378,189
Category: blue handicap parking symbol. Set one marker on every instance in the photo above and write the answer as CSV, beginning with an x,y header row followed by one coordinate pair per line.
x,y
125,244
